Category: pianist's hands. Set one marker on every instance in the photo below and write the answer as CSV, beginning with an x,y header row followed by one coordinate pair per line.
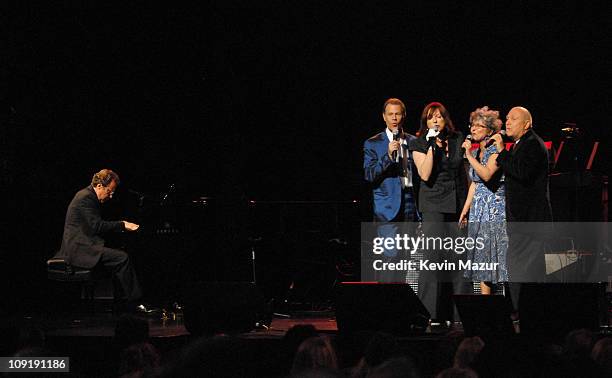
x,y
129,226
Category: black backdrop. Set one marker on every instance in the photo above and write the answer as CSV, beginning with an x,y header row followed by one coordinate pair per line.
x,y
270,101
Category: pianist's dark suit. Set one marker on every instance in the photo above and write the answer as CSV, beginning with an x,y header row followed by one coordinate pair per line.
x,y
83,246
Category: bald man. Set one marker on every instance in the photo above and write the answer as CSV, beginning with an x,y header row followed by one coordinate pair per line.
x,y
525,168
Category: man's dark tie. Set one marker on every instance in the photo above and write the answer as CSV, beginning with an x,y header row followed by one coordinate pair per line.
x,y
405,171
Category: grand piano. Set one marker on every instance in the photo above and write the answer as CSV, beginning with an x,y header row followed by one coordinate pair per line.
x,y
294,250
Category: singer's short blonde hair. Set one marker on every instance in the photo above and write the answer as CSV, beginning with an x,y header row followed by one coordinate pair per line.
x,y
394,101
488,117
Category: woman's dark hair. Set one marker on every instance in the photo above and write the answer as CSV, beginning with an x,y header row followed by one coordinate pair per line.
x,y
428,113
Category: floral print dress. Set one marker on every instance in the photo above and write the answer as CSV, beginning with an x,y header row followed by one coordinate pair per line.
x,y
487,220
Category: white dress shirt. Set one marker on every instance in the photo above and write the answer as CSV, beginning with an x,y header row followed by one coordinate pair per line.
x,y
406,180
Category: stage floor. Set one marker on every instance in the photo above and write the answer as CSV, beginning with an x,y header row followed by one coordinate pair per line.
x,y
102,324
88,338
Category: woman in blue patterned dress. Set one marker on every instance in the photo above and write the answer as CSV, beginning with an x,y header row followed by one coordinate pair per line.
x,y
485,203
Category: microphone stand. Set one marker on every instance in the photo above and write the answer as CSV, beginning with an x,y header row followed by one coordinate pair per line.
x,y
254,240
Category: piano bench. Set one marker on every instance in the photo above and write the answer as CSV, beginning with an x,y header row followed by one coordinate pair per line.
x,y
60,270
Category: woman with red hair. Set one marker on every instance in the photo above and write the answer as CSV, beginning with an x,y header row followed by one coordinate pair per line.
x,y
438,157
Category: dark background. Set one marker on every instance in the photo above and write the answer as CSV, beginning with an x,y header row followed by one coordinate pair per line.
x,y
264,102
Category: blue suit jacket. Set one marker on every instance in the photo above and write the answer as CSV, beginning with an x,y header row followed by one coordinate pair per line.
x,y
382,173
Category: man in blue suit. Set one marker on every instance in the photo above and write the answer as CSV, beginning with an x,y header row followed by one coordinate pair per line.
x,y
389,168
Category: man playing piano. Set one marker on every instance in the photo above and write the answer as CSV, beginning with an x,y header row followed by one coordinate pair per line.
x,y
83,245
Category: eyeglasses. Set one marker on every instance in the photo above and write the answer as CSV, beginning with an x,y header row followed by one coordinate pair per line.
x,y
478,126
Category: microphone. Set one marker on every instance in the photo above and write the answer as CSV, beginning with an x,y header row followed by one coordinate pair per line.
x,y
436,129
396,136
443,135
490,142
468,137
431,141
165,196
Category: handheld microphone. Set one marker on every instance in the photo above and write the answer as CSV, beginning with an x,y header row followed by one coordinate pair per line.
x,y
468,137
431,138
431,141
442,135
490,142
437,129
396,136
